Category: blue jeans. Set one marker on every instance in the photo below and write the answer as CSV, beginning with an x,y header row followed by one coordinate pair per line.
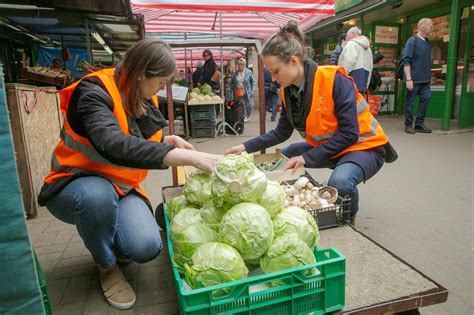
x,y
271,101
424,92
345,177
106,222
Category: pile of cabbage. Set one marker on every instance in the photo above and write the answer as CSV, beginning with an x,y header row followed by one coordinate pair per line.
x,y
233,220
204,93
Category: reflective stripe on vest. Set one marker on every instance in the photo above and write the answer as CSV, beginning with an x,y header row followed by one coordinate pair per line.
x,y
75,154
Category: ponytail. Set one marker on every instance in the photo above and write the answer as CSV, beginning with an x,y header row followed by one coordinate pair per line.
x,y
287,42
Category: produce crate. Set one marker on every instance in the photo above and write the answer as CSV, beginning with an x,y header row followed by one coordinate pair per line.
x,y
328,217
200,124
202,112
44,290
209,132
317,294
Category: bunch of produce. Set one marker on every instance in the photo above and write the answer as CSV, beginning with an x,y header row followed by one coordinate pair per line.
x,y
203,94
234,220
306,195
86,66
49,72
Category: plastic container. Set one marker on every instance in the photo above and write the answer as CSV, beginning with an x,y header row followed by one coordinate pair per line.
x,y
318,294
44,290
328,217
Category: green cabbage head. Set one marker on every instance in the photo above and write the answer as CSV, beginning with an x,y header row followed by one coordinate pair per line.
x,y
273,199
198,188
236,179
287,251
183,219
213,215
187,241
177,204
299,222
248,228
206,89
214,263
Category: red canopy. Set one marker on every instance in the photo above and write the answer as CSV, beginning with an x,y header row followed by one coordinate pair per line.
x,y
252,19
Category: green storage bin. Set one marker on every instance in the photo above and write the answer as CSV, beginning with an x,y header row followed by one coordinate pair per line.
x,y
44,290
302,294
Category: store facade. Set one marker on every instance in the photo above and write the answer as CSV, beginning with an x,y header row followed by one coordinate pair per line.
x,y
388,25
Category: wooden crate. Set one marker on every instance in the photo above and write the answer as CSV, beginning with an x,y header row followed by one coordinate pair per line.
x,y
36,122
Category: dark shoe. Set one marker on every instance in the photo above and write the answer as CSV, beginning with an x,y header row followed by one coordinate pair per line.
x,y
273,119
409,129
352,220
422,128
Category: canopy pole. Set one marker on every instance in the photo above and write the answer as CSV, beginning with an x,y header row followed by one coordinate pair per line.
x,y
169,99
222,76
261,96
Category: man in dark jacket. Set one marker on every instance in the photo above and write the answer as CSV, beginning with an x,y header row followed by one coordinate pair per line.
x,y
334,58
417,75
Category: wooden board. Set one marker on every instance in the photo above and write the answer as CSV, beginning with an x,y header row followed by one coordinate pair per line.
x,y
36,123
192,102
376,280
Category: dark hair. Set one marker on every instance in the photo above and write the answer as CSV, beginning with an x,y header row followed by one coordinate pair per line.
x,y
341,37
207,51
287,42
150,56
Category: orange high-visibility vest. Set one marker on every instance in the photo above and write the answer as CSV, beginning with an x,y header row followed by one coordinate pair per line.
x,y
321,123
75,154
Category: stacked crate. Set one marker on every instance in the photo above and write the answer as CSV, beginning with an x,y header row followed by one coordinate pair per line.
x,y
178,128
202,121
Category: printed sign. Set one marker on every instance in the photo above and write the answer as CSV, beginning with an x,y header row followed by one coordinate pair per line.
x,y
342,5
386,34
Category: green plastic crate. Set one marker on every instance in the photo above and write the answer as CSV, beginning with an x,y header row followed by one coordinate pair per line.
x,y
302,294
44,290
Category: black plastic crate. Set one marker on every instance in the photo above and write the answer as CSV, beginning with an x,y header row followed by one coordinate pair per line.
x,y
328,217
202,124
203,132
204,116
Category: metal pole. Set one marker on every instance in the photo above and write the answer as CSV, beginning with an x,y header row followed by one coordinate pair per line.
x,y
169,99
261,96
88,40
452,64
222,76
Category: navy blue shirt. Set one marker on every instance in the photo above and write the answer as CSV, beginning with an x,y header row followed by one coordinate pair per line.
x,y
418,56
347,134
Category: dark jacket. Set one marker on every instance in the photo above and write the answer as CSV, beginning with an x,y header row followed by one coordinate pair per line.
x,y
196,76
418,58
207,71
294,116
90,115
334,58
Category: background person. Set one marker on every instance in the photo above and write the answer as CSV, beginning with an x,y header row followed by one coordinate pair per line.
x,y
243,83
334,58
417,76
356,58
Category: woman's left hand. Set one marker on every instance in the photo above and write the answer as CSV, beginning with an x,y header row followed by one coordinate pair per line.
x,y
178,142
294,163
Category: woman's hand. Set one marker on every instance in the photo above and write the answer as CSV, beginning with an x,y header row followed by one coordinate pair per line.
x,y
236,149
206,161
178,142
294,163
409,85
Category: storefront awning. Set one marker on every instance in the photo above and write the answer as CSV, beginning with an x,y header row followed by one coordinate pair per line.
x,y
249,19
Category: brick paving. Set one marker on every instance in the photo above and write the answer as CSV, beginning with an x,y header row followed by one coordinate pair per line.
x,y
420,207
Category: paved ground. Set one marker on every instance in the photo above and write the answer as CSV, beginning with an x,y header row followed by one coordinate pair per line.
x,y
421,208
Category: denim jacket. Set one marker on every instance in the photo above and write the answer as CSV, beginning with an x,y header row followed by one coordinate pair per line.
x,y
249,85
